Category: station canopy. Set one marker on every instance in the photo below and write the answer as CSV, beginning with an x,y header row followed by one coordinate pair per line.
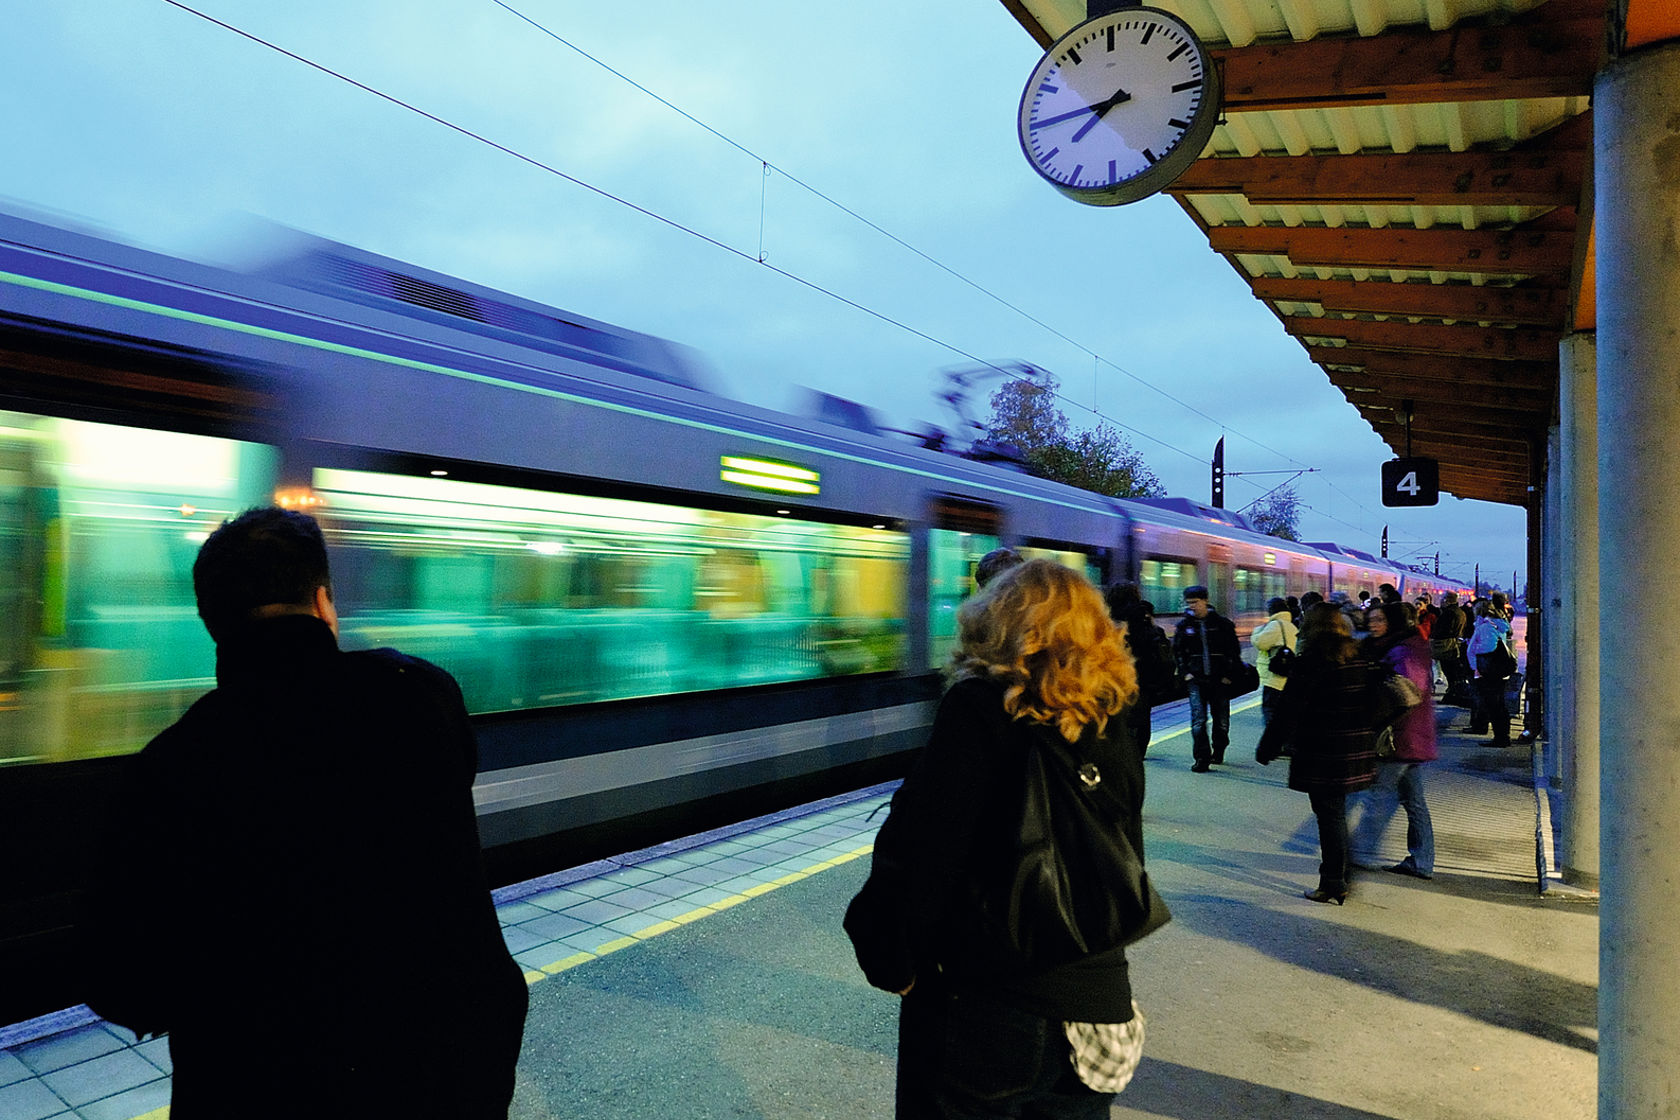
x,y
1407,184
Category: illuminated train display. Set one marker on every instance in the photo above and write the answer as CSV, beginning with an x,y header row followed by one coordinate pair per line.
x,y
667,610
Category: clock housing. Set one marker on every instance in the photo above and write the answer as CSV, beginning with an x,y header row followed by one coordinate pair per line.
x,y
1119,107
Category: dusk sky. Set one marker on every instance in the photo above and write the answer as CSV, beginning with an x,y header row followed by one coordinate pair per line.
x,y
151,124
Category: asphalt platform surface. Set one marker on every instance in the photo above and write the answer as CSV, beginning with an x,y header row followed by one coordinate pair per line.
x,y
1468,996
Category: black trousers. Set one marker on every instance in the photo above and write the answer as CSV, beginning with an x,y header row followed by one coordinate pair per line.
x,y
1331,811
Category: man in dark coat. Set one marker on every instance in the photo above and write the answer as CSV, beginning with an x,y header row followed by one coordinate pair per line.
x,y
1206,650
292,887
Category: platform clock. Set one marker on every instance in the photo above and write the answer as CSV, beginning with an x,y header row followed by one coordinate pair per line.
x,y
1120,106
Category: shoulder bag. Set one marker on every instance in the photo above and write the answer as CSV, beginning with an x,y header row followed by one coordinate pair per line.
x,y
1068,884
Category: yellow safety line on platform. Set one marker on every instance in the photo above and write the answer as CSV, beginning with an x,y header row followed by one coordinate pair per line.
x,y
533,976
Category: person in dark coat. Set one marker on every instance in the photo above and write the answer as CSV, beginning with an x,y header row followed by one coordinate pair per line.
x,y
1206,649
1399,645
1151,652
983,1032
1326,720
292,886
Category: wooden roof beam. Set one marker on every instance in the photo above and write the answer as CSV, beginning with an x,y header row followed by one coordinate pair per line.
x,y
1506,252
1538,377
1518,306
1414,179
1551,51
1459,420
1364,389
1459,340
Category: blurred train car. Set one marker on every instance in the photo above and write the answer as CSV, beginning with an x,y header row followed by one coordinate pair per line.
x,y
666,610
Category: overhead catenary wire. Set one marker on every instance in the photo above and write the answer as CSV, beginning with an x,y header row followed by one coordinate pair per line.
x,y
749,256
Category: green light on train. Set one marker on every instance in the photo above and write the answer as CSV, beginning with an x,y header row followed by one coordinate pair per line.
x,y
767,474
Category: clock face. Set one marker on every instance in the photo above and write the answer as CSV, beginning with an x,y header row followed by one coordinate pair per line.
x,y
1119,107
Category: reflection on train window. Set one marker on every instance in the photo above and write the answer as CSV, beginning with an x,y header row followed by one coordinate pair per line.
x,y
952,556
1082,562
100,642
1256,586
533,599
1163,583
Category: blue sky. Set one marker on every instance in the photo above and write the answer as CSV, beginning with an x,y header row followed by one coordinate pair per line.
x,y
156,126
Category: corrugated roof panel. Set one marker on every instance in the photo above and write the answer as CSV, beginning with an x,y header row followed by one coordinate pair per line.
x,y
1238,23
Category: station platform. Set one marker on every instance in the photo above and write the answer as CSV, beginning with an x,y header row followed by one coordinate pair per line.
x,y
709,977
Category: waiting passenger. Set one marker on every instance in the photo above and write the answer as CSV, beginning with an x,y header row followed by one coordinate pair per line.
x,y
1206,649
1324,724
1490,652
291,884
994,564
1152,656
1277,632
1398,644
984,1031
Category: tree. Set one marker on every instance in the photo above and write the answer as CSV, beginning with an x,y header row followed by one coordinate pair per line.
x,y
1277,514
1100,459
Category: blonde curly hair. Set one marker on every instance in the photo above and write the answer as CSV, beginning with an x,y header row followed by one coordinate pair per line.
x,y
1043,631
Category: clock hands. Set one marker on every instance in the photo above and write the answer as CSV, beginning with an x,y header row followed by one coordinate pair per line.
x,y
1098,110
1094,111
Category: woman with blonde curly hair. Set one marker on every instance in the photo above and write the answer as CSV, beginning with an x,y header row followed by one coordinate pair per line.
x,y
982,1031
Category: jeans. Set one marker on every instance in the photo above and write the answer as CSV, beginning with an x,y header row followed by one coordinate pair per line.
x,y
966,1057
1270,698
1331,811
1398,784
1208,698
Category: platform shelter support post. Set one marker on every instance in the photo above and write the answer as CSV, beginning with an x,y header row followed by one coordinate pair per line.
x,y
1577,634
1636,149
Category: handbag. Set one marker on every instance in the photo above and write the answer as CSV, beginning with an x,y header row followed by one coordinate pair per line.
x,y
1395,696
1245,678
1282,660
1069,885
1497,662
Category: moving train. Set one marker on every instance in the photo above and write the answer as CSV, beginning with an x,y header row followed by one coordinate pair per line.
x,y
667,610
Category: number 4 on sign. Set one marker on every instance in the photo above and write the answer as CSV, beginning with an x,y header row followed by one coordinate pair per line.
x,y
1411,482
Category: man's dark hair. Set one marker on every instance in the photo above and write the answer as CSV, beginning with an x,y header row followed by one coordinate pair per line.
x,y
263,557
995,563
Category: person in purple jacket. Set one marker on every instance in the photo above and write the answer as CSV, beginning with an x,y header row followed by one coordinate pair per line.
x,y
1396,642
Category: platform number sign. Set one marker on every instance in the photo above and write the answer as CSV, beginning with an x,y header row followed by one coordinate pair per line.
x,y
1411,482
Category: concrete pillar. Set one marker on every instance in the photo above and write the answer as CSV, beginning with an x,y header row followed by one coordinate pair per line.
x,y
1577,631
1554,541
1636,142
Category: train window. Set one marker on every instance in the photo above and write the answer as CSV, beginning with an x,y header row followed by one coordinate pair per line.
x,y
952,556
534,599
100,642
1163,582
1080,561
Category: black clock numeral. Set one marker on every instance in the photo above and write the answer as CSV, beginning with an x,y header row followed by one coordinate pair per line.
x,y
1151,156
1148,33
1073,56
1182,47
1050,155
1178,124
1048,88
1193,83
1077,168
1111,38
1113,175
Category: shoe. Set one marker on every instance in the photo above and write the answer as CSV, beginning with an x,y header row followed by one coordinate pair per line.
x,y
1319,894
1407,867
1219,760
1200,766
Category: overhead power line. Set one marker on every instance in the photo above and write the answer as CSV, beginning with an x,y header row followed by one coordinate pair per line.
x,y
746,256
